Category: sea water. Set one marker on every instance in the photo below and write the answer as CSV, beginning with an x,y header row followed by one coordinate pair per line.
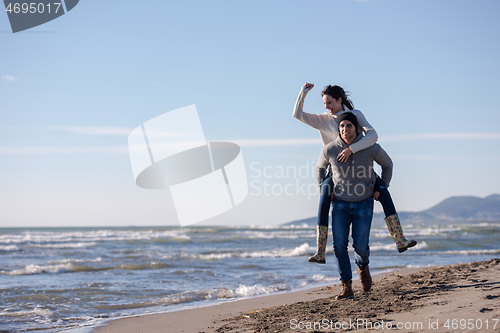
x,y
62,279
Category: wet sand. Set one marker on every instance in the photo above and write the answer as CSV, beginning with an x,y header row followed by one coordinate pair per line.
x,y
462,297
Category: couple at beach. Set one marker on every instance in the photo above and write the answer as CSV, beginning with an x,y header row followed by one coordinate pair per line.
x,y
349,185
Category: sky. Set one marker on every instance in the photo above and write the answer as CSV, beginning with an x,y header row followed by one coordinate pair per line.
x,y
424,73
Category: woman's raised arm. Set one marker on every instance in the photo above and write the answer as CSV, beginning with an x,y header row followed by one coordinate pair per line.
x,y
314,120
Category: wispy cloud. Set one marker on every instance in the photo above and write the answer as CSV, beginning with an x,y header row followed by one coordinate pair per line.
x,y
444,136
61,150
276,142
441,158
242,143
125,131
106,130
384,138
9,78
164,148
94,130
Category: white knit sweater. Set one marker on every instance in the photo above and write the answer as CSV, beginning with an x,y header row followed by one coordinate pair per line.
x,y
327,125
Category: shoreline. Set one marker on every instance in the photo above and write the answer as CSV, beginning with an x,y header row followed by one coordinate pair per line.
x,y
211,317
437,299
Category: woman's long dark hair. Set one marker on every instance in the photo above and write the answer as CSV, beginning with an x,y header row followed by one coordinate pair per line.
x,y
337,92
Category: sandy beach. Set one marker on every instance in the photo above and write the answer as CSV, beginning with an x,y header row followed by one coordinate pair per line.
x,y
462,297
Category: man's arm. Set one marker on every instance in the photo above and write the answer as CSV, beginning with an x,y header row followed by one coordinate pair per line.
x,y
384,160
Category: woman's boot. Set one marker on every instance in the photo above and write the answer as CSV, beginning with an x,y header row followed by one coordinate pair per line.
x,y
396,232
346,290
322,237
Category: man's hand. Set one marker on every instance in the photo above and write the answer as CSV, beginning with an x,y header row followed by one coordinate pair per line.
x,y
308,86
376,195
344,155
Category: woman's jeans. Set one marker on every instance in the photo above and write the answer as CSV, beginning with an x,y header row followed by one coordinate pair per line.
x,y
359,215
326,199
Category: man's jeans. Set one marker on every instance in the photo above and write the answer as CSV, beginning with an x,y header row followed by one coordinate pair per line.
x,y
359,214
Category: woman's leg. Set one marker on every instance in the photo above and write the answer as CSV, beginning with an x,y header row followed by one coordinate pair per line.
x,y
322,228
325,201
391,217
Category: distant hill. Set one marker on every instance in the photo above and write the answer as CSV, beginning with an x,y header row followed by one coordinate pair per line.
x,y
464,208
467,208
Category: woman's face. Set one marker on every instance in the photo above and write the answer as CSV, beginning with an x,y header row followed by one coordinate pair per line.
x,y
331,104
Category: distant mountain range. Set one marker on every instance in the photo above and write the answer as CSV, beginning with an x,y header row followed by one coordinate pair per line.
x,y
453,209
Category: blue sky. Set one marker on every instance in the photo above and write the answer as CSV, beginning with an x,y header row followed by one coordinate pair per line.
x,y
425,74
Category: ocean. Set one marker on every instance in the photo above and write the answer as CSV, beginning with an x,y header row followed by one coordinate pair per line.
x,y
73,279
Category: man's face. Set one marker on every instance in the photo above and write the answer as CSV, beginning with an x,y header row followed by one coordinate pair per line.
x,y
347,131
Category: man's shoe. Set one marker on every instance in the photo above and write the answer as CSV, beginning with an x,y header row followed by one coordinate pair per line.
x,y
365,278
346,292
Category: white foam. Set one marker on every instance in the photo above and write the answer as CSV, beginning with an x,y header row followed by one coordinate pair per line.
x,y
64,261
382,247
469,252
321,278
45,238
485,224
275,253
419,266
280,252
381,232
392,246
35,312
65,245
297,226
215,256
245,291
300,250
9,248
219,293
282,234
38,269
